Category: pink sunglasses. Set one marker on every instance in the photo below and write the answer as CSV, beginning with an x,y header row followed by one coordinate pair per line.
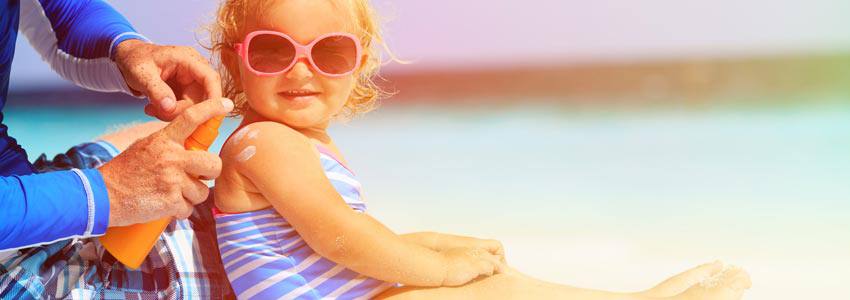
x,y
270,53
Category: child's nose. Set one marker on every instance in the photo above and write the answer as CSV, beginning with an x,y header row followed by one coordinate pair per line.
x,y
301,70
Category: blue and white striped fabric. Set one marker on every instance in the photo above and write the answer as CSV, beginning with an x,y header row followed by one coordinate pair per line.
x,y
265,258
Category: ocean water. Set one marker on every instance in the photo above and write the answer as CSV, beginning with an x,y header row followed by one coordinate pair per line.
x,y
612,200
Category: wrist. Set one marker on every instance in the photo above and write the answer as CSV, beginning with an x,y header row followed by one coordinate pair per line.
x,y
125,46
427,239
98,201
115,207
445,264
123,51
435,240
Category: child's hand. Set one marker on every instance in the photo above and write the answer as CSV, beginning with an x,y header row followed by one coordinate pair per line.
x,y
465,264
448,241
493,246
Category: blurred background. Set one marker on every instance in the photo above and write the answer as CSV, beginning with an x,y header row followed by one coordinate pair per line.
x,y
608,144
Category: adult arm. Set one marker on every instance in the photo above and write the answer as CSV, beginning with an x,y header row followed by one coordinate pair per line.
x,y
154,178
91,44
44,208
78,40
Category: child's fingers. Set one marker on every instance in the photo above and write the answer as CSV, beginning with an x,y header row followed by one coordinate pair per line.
x,y
494,263
486,268
501,267
501,256
496,248
493,246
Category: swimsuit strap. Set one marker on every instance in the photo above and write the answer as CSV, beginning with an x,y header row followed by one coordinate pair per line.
x,y
328,152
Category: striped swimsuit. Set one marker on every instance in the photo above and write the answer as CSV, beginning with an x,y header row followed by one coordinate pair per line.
x,y
265,258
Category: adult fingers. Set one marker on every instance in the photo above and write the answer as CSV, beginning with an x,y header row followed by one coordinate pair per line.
x,y
182,105
184,210
154,111
151,110
199,70
160,94
189,120
194,191
202,164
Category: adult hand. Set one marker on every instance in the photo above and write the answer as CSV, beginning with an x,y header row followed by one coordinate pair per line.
x,y
156,177
172,77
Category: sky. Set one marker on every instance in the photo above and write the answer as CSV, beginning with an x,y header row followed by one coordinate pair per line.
x,y
451,34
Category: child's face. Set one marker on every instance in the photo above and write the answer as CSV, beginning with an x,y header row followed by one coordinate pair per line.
x,y
304,21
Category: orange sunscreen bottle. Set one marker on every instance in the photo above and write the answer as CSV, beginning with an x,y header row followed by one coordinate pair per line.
x,y
131,244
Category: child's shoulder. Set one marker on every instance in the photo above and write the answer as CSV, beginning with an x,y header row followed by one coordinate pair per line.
x,y
263,139
265,132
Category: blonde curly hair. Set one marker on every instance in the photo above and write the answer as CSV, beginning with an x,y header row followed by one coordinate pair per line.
x,y
229,29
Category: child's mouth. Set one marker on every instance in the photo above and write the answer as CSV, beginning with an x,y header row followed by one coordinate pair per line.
x,y
299,94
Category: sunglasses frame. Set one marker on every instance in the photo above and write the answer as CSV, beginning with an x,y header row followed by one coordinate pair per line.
x,y
300,50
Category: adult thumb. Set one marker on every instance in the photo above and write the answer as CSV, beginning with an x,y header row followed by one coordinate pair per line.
x,y
160,94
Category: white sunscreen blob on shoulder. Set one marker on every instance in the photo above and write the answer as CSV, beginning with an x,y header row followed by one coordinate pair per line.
x,y
253,134
246,154
239,135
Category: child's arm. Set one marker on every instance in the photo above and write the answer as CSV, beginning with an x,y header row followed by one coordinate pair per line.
x,y
442,241
284,166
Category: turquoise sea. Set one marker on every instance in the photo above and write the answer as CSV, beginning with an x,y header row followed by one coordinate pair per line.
x,y
609,199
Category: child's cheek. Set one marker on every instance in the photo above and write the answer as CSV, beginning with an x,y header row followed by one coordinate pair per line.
x,y
261,86
261,94
341,89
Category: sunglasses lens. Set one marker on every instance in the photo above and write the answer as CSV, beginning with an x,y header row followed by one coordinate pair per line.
x,y
270,53
335,54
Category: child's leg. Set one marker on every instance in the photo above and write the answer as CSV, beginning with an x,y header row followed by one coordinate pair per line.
x,y
683,281
514,285
502,286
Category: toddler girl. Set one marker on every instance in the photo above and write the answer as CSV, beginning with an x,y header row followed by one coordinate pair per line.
x,y
290,216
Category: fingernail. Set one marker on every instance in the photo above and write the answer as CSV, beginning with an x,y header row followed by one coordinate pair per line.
x,y
227,103
168,103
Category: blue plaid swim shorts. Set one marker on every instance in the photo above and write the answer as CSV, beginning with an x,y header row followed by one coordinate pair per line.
x,y
184,263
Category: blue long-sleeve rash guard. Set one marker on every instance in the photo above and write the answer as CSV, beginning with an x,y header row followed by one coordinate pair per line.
x,y
77,39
